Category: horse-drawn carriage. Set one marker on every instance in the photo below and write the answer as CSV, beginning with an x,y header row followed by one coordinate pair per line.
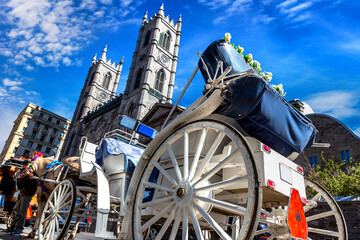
x,y
206,175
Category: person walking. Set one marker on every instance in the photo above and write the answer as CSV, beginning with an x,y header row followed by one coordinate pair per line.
x,y
27,188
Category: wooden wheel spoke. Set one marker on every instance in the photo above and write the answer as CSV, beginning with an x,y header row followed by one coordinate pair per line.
x,y
320,215
196,158
222,184
195,223
212,222
176,225
209,155
174,162
185,225
158,186
229,207
57,226
156,217
217,168
165,173
157,201
166,225
186,155
323,232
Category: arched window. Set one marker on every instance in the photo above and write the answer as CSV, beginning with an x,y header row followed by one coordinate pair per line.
x,y
165,39
81,112
138,79
131,109
147,38
106,81
160,76
91,78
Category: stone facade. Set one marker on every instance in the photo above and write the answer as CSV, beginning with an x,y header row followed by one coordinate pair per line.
x,y
150,81
344,143
35,129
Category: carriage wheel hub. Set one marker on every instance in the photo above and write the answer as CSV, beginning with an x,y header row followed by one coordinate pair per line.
x,y
279,228
181,192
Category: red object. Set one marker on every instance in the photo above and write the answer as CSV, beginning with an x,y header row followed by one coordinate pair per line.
x,y
296,217
303,200
300,169
270,184
267,148
39,154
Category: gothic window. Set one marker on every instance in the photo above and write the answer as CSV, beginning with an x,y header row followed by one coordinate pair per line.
x,y
160,76
147,38
81,112
142,57
165,39
106,81
131,109
138,78
91,78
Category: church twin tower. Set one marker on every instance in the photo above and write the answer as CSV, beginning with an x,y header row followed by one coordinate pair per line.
x,y
152,72
151,79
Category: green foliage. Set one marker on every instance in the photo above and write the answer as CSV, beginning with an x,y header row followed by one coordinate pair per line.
x,y
340,179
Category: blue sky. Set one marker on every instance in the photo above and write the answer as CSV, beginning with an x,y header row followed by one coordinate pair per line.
x,y
312,47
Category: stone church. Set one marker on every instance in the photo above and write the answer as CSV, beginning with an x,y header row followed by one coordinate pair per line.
x,y
149,86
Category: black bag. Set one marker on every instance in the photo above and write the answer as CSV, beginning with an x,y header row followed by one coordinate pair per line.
x,y
256,105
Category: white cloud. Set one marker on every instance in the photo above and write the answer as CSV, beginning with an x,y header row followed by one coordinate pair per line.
x,y
353,45
286,3
231,8
44,32
298,8
215,4
31,93
339,104
10,83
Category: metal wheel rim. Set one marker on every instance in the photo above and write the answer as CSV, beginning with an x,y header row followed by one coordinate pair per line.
x,y
183,209
334,214
58,211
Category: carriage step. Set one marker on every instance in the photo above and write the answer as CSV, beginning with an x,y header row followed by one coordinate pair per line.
x,y
106,235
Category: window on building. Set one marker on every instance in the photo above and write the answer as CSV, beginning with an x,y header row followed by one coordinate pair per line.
x,y
106,81
147,38
46,127
138,78
30,144
313,161
23,130
19,140
51,140
33,135
39,147
15,149
32,111
159,80
131,110
92,78
65,125
165,39
41,115
58,122
54,131
27,120
345,155
62,134
81,112
37,124
58,143
42,138
49,118
26,152
48,150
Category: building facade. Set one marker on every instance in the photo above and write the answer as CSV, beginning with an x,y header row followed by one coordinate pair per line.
x,y
36,129
150,81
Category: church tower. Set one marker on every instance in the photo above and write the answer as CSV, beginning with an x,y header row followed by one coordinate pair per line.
x,y
100,86
153,67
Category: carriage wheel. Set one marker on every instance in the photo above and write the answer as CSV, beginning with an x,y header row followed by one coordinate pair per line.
x,y
323,215
200,181
57,213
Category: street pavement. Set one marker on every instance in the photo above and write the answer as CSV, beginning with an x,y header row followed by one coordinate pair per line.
x,y
6,236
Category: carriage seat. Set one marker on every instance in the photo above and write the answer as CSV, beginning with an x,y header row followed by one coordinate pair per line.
x,y
118,160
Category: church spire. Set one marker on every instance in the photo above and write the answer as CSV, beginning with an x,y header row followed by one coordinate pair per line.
x,y
103,55
145,17
94,58
121,64
161,10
